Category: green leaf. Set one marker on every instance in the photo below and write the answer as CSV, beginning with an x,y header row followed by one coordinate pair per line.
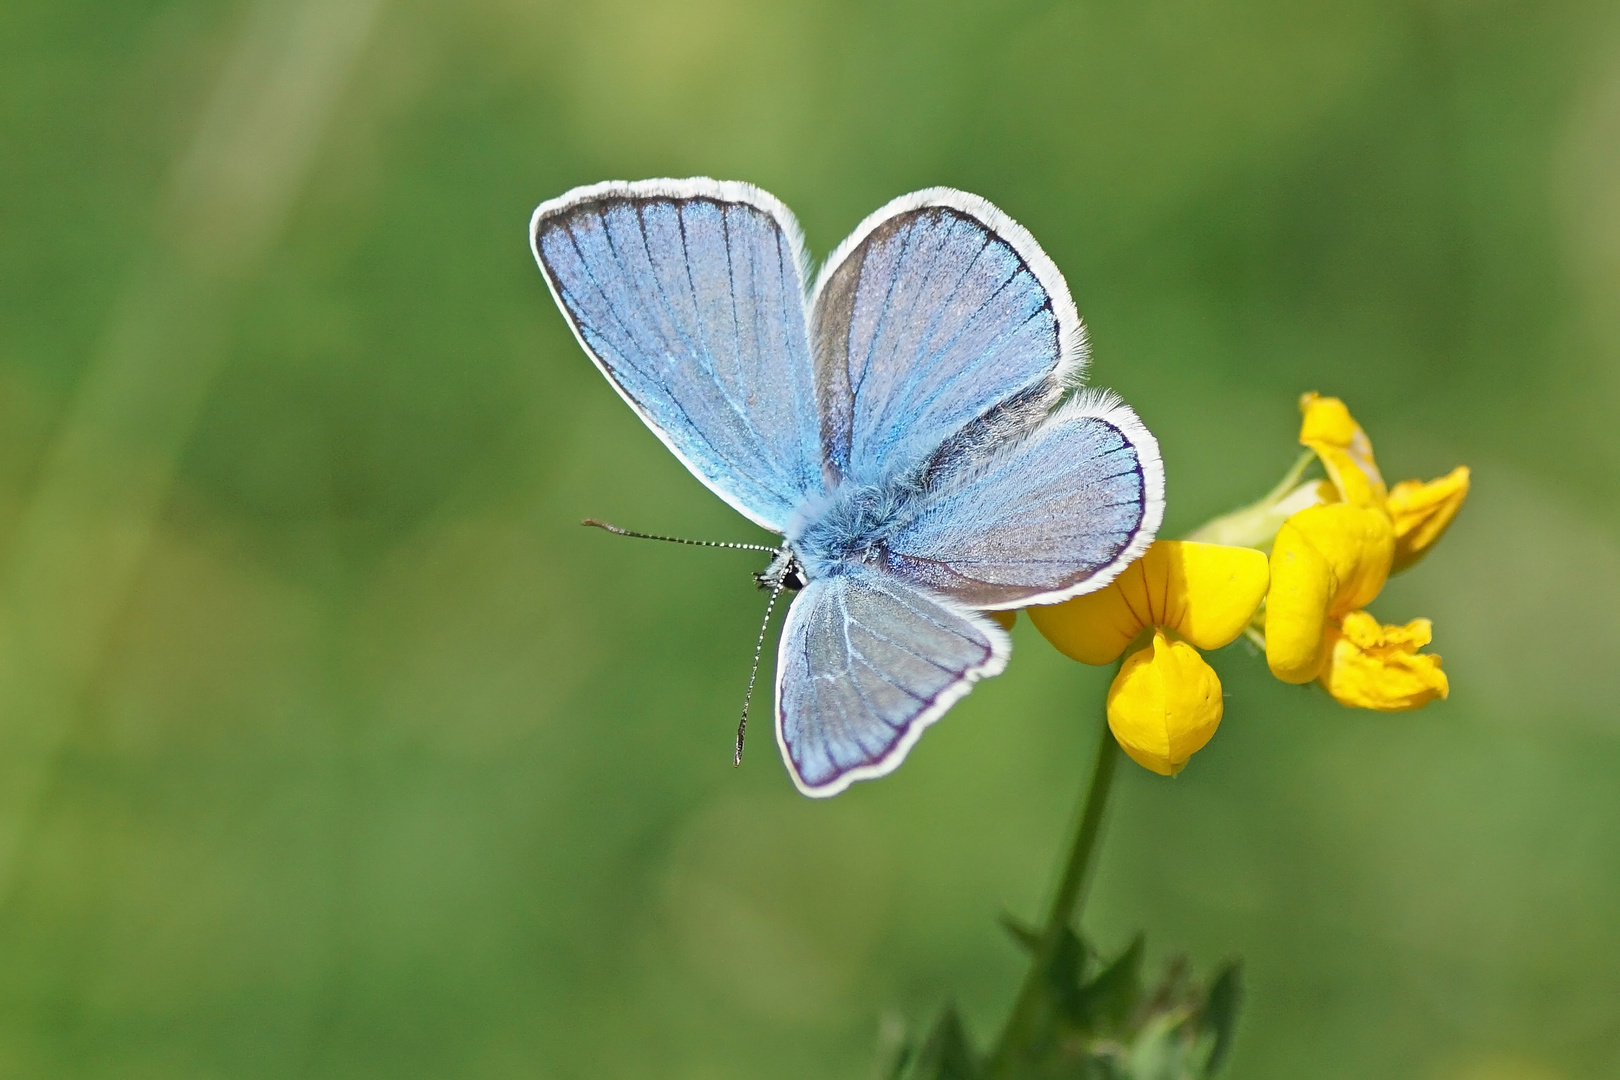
x,y
1112,1026
1159,1051
946,1054
1220,1012
902,1057
1108,1001
1026,935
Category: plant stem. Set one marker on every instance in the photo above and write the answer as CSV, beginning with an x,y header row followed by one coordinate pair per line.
x,y
1256,525
1291,478
1065,909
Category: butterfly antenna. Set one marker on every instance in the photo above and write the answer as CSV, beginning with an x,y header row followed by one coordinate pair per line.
x,y
616,531
753,673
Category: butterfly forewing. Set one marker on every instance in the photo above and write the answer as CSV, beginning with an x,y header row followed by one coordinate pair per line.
x,y
689,295
940,325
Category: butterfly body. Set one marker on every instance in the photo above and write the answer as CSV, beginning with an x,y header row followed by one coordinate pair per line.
x,y
908,425
853,527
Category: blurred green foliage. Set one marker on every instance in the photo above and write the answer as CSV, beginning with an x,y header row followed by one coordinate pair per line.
x,y
330,745
1106,1024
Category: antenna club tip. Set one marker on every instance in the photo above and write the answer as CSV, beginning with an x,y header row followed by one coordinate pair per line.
x,y
597,523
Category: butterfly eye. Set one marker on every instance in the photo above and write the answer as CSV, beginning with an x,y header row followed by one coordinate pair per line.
x,y
788,576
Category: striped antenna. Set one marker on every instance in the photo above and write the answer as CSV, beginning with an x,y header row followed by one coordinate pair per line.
x,y
616,531
753,672
759,645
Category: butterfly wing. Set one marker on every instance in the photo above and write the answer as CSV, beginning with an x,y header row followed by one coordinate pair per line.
x,y
865,663
1058,512
689,296
940,328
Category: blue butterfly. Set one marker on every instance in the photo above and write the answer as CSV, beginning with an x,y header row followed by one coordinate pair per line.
x,y
906,426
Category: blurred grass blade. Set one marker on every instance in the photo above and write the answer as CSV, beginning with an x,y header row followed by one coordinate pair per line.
x,y
106,476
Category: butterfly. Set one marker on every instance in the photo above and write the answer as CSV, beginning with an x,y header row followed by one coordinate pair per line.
x,y
910,426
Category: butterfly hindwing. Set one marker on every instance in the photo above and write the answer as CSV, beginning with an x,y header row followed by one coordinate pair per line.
x,y
866,662
689,296
940,326
1057,513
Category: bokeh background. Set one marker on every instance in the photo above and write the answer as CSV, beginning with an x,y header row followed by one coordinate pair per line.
x,y
331,746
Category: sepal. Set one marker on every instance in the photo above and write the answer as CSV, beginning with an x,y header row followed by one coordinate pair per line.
x,y
947,1053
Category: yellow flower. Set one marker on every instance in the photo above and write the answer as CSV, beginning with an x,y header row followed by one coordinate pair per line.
x,y
1344,449
1327,562
1332,559
1165,703
1379,667
1422,513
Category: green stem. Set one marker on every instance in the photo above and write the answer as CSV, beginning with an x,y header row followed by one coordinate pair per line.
x,y
1064,912
1255,525
1291,478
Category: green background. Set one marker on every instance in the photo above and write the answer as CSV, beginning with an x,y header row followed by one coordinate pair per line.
x,y
331,746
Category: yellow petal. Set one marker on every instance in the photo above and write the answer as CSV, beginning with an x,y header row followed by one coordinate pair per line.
x,y
1211,591
1207,593
1004,619
1346,452
1422,513
1327,560
1164,705
1379,667
1094,628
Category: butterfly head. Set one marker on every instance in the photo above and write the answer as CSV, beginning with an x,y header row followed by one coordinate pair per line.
x,y
784,572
